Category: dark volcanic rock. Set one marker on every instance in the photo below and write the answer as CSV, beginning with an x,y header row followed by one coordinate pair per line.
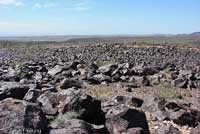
x,y
17,116
120,118
73,126
144,81
107,69
13,89
172,106
71,67
180,82
49,102
167,129
135,131
143,69
32,95
195,130
68,83
182,117
128,101
98,78
153,104
78,101
118,100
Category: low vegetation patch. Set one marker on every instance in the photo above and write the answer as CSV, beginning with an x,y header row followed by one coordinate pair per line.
x,y
101,92
67,116
103,63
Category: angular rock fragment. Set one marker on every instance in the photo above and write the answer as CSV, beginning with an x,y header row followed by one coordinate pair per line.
x,y
167,129
17,116
121,118
13,89
89,108
73,126
57,69
49,102
68,83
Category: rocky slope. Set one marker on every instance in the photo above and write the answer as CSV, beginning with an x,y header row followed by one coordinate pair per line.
x,y
59,90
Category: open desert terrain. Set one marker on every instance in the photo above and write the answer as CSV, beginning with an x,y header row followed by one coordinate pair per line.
x,y
101,85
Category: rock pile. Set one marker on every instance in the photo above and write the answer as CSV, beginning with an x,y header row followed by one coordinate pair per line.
x,y
46,94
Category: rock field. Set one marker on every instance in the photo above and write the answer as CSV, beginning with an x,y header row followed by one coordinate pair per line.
x,y
100,89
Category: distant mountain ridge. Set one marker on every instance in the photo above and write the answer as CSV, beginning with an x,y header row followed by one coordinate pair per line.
x,y
77,37
196,33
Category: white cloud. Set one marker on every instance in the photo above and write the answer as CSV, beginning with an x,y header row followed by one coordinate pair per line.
x,y
44,5
80,5
81,8
11,2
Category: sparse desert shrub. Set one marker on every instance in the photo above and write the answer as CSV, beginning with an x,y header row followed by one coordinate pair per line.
x,y
103,63
100,91
169,92
66,116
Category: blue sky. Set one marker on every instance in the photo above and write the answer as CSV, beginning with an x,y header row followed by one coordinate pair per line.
x,y
98,17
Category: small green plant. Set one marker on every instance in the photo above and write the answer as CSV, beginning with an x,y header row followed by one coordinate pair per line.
x,y
19,63
67,116
167,92
140,43
165,84
21,75
103,63
101,91
28,55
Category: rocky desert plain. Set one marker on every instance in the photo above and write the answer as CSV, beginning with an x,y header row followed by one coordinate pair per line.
x,y
98,87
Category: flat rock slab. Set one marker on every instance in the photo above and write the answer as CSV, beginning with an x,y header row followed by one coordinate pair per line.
x,y
13,89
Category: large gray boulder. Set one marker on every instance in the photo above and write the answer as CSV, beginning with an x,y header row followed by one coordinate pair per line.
x,y
153,104
78,101
129,101
180,82
141,81
98,78
156,106
17,117
49,103
55,70
68,83
73,126
32,95
195,130
13,89
121,118
167,129
182,117
107,69
144,70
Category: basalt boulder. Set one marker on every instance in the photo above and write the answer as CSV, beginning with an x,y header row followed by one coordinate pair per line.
x,y
13,89
107,69
121,118
73,126
68,83
55,70
78,101
167,129
155,106
17,117
99,78
49,102
183,117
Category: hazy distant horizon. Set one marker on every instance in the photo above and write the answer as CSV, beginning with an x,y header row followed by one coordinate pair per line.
x,y
98,35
